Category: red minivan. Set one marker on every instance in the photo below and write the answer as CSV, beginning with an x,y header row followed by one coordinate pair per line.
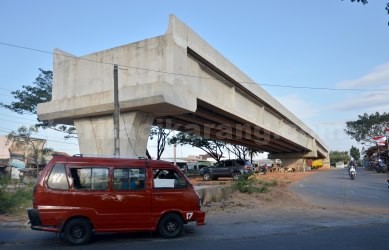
x,y
78,196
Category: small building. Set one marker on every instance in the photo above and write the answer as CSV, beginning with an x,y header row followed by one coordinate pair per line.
x,y
18,157
340,164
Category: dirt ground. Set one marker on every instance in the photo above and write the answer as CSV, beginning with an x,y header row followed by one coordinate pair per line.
x,y
279,196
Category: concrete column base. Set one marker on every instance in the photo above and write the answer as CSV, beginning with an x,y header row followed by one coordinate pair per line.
x,y
96,134
296,163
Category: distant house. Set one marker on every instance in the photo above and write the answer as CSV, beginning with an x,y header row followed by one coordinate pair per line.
x,y
16,155
4,155
340,164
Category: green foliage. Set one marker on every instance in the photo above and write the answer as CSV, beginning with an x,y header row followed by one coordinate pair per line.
x,y
367,127
28,98
23,139
213,147
338,156
354,152
14,197
365,2
362,1
161,134
251,185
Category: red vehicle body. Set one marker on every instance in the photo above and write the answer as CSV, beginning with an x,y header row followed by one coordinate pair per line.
x,y
78,196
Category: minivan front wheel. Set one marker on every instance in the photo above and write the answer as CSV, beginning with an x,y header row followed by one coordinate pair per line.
x,y
171,226
77,231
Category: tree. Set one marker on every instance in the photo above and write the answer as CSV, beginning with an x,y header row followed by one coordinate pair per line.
x,y
362,1
212,147
367,126
239,151
338,156
162,135
29,97
253,152
33,147
365,2
354,152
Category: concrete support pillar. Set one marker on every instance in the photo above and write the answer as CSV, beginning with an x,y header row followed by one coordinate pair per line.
x,y
297,163
96,134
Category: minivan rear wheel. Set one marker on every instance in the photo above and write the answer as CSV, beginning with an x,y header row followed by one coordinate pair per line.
x,y
78,231
171,226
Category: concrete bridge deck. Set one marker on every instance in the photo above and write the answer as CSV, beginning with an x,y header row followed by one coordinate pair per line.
x,y
177,81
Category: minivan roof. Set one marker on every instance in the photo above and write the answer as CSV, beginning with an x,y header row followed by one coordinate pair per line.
x,y
106,160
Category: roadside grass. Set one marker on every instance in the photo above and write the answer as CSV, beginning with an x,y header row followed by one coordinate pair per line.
x,y
248,184
15,197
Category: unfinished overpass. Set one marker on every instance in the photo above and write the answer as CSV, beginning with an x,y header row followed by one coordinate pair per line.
x,y
177,81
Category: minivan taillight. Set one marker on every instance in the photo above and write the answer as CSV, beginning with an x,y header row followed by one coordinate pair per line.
x,y
198,195
34,205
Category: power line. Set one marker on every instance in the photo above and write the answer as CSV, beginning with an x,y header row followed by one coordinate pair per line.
x,y
19,117
64,142
6,130
5,89
323,88
126,67
24,112
18,122
7,95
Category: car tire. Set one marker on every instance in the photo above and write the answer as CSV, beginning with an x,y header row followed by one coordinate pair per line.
x,y
77,231
236,175
207,176
171,226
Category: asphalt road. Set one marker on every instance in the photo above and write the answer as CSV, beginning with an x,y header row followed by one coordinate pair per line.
x,y
335,189
341,218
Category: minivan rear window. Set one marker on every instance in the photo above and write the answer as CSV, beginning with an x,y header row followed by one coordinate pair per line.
x,y
57,178
87,178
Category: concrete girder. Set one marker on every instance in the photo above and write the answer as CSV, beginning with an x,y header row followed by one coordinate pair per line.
x,y
174,75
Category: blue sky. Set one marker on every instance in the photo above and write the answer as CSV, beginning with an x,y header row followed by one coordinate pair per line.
x,y
302,44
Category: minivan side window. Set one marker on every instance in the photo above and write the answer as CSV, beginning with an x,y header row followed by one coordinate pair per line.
x,y
57,178
129,178
168,178
87,178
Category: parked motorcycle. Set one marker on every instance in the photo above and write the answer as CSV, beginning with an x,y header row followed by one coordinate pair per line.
x,y
352,172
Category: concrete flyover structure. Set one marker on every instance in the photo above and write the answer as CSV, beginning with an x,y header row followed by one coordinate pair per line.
x,y
178,81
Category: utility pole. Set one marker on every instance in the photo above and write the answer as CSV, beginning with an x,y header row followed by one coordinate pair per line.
x,y
174,151
116,112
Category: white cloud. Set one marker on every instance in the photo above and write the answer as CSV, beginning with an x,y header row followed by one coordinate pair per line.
x,y
378,77
376,102
298,106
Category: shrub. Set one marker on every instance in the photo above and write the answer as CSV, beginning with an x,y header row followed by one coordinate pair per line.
x,y
14,197
251,185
